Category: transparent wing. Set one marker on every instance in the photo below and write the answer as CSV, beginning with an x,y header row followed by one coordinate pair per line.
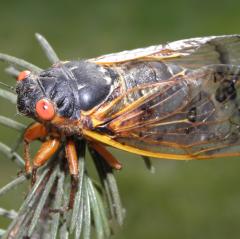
x,y
195,115
190,53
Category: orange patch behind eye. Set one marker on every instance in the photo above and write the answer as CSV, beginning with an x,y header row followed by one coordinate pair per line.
x,y
23,75
45,109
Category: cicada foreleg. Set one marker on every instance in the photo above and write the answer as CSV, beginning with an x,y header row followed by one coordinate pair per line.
x,y
33,132
47,149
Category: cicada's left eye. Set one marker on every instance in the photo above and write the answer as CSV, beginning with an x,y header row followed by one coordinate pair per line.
x,y
23,75
45,109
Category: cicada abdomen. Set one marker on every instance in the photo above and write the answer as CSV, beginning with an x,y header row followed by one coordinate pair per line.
x,y
168,109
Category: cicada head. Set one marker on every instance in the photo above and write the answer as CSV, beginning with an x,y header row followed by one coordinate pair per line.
x,y
63,90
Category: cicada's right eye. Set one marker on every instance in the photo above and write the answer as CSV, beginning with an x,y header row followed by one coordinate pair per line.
x,y
23,75
45,109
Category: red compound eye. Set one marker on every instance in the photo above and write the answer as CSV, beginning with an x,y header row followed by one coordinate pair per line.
x,y
45,109
23,75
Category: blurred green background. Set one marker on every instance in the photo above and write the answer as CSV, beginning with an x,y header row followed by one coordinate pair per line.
x,y
187,200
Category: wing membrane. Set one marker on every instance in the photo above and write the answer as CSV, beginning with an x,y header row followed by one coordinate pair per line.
x,y
177,118
190,53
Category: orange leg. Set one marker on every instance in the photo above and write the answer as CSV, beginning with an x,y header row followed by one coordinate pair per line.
x,y
110,159
72,158
33,132
47,149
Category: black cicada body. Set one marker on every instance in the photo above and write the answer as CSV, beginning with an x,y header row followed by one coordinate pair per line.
x,y
175,101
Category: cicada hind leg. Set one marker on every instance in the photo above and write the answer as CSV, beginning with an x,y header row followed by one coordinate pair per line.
x,y
106,155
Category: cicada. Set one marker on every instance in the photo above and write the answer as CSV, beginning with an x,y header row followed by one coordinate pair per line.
x,y
179,100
